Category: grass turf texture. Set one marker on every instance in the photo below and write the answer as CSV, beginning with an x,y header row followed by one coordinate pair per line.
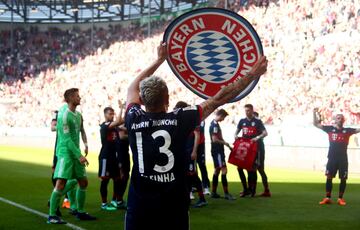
x,y
25,179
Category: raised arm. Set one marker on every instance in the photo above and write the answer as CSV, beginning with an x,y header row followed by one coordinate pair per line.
x,y
229,92
119,119
316,120
133,95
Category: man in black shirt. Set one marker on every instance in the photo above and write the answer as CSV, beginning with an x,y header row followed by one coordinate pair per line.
x,y
337,155
123,157
109,167
218,154
254,130
158,195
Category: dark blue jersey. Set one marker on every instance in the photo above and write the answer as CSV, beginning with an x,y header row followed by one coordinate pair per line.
x,y
123,155
190,143
109,141
123,147
216,131
339,140
251,128
158,143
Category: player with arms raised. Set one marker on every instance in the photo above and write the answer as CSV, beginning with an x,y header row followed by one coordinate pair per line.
x,y
158,195
108,163
337,155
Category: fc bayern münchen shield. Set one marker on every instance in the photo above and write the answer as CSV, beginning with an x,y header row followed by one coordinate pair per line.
x,y
210,48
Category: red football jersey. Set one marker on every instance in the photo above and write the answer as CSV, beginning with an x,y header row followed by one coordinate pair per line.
x,y
244,153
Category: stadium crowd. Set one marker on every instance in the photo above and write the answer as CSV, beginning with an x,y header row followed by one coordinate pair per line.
x,y
314,61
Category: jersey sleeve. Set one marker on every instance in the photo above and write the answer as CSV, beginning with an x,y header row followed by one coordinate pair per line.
x,y
214,129
239,127
190,117
104,126
75,151
103,130
132,111
327,128
261,126
351,131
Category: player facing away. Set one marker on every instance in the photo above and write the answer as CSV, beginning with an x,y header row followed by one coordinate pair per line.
x,y
218,155
192,144
108,163
337,155
71,163
253,129
201,159
158,195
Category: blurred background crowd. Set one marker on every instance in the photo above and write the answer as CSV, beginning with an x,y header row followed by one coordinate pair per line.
x,y
313,50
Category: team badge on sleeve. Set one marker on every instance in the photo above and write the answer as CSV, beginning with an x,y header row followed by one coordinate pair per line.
x,y
210,48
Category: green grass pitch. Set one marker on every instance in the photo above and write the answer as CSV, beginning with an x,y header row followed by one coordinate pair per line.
x,y
25,179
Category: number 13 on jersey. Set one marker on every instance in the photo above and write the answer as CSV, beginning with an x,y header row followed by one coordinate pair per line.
x,y
164,149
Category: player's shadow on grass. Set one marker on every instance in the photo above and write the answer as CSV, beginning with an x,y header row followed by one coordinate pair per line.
x,y
28,181
30,184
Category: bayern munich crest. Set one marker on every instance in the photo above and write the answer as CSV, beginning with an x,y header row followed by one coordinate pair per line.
x,y
210,48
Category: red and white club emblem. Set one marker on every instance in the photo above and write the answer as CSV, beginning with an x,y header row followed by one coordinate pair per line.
x,y
210,48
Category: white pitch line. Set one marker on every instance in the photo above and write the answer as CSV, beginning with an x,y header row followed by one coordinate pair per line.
x,y
36,212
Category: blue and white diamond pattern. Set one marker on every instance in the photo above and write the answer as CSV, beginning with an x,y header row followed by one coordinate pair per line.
x,y
212,56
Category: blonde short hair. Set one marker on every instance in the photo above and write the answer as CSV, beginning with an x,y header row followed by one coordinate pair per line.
x,y
152,91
